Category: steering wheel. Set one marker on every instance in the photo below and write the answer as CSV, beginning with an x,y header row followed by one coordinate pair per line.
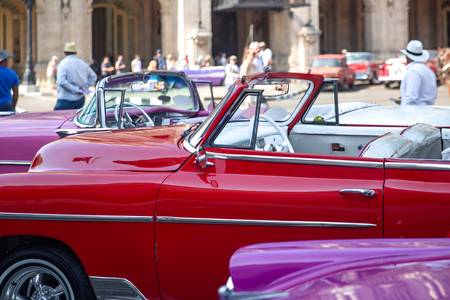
x,y
127,115
285,143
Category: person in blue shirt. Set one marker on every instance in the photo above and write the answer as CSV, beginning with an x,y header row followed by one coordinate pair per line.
x,y
8,82
74,77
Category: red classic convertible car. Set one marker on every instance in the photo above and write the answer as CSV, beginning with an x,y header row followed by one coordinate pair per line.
x,y
150,99
156,213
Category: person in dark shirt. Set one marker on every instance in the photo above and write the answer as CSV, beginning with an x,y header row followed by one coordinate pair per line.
x,y
8,82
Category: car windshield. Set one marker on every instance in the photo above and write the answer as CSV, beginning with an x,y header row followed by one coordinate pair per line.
x,y
326,62
195,138
354,57
169,91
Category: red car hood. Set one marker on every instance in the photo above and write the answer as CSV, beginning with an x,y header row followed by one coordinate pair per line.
x,y
34,122
326,70
154,149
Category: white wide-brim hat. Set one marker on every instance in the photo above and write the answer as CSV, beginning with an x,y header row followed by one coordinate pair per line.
x,y
414,51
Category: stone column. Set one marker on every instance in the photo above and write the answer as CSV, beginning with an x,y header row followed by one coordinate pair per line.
x,y
304,24
169,25
194,29
386,25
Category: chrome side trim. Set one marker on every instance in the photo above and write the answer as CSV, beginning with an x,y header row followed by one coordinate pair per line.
x,y
74,217
298,160
418,166
248,222
108,288
15,163
229,294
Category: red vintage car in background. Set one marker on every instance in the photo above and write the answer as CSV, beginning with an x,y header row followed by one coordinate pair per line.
x,y
156,213
334,66
392,71
364,66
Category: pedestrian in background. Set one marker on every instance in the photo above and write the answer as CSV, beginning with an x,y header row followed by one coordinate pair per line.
x,y
231,71
171,62
107,67
136,64
120,65
9,82
160,61
52,69
73,80
266,55
256,65
418,86
152,65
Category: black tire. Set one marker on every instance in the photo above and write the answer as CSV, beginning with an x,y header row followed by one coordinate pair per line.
x,y
45,269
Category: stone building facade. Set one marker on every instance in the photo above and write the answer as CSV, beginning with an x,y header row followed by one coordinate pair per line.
x,y
198,27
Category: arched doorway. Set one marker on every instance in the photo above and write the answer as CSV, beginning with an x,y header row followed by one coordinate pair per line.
x,y
342,25
425,22
125,27
13,30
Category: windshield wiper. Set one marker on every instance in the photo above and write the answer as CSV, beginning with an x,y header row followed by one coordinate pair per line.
x,y
190,129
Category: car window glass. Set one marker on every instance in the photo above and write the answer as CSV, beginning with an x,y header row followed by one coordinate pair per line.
x,y
112,105
201,130
88,115
281,97
326,62
322,110
238,131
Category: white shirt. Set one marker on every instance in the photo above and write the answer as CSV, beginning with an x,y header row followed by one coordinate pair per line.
x,y
418,86
267,57
136,65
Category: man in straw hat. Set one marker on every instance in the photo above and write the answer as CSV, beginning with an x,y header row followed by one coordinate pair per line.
x,y
74,78
418,86
8,82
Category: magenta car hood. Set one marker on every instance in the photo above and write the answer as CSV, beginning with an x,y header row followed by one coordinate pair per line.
x,y
310,270
31,122
150,149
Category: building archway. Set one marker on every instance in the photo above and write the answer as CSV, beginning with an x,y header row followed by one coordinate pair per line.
x,y
13,31
426,20
342,25
125,27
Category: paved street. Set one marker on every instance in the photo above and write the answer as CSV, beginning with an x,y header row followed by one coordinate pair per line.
x,y
376,94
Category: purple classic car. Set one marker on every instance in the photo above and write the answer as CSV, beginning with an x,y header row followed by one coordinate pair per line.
x,y
215,75
126,101
341,269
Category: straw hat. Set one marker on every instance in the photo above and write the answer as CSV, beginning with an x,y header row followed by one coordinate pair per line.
x,y
70,47
414,51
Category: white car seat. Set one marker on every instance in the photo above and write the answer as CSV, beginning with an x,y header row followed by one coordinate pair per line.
x,y
446,154
427,141
390,145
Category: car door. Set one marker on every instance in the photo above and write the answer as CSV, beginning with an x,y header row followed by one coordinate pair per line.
x,y
245,194
417,198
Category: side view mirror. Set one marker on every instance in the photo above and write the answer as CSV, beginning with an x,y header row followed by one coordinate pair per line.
x,y
201,158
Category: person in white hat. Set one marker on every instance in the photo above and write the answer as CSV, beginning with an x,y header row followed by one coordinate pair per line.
x,y
418,86
9,81
74,78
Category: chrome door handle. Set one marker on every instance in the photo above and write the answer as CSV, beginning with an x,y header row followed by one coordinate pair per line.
x,y
363,192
